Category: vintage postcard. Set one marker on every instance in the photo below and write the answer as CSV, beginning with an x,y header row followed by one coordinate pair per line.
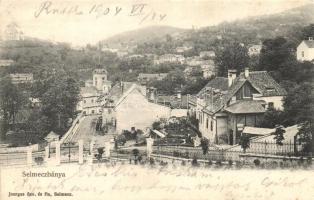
x,y
157,99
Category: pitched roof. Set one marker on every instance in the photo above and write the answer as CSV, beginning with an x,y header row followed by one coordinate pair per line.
x,y
309,43
220,83
173,101
246,106
264,83
88,91
260,80
118,90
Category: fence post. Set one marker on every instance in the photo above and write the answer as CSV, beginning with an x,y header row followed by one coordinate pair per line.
x,y
47,153
81,151
29,156
149,146
107,149
58,153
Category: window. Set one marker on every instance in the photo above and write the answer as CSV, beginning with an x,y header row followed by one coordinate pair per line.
x,y
302,53
92,100
207,123
93,111
270,104
211,125
84,101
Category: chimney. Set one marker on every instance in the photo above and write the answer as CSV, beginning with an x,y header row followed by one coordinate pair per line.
x,y
246,72
232,74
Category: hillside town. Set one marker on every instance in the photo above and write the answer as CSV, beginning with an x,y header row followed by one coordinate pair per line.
x,y
221,99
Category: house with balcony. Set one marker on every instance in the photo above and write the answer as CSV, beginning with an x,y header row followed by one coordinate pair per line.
x,y
226,105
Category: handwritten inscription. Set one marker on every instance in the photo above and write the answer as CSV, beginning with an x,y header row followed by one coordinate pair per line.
x,y
101,180
142,11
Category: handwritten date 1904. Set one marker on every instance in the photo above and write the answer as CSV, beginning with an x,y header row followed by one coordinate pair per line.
x,y
143,11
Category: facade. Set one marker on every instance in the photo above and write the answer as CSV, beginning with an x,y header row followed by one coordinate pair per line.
x,y
90,101
170,58
13,32
21,78
226,105
207,54
6,63
127,106
305,50
144,78
183,49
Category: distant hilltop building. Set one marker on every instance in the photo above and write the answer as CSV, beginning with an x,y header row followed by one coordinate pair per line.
x,y
13,32
20,78
305,50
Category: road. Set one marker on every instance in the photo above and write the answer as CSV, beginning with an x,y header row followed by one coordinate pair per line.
x,y
85,131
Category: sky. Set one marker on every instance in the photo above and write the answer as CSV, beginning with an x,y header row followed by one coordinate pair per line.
x,y
82,22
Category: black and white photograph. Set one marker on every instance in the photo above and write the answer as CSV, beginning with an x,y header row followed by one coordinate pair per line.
x,y
157,99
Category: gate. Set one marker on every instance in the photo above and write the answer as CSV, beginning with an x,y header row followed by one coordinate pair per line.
x,y
69,152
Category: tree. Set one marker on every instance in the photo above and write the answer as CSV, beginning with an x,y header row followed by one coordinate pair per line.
x,y
244,142
306,136
272,117
279,137
12,101
299,104
233,56
205,145
307,31
59,102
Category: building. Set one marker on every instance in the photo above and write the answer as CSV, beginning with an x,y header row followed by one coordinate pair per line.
x,y
6,62
126,106
144,78
305,50
254,50
207,54
226,105
13,32
183,49
208,68
90,101
194,61
100,81
170,58
21,78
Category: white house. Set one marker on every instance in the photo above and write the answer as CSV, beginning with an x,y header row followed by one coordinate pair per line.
x,y
100,81
127,106
305,50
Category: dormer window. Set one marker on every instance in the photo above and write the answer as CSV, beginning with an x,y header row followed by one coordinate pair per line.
x,y
270,89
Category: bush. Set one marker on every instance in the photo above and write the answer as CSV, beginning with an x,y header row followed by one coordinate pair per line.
x,y
176,154
209,162
183,163
257,162
194,162
151,161
230,162
100,151
39,160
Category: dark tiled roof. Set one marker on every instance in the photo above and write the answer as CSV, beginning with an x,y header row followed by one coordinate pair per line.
x,y
265,84
118,90
220,83
309,43
173,101
260,80
246,106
